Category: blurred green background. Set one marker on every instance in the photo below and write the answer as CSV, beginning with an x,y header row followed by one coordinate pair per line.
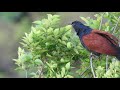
x,y
13,25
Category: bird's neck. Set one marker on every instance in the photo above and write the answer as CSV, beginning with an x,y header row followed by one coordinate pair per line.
x,y
81,33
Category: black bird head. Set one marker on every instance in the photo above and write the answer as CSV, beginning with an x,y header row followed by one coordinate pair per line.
x,y
80,28
77,25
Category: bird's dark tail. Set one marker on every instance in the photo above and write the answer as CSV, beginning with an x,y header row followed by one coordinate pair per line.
x,y
118,54
118,57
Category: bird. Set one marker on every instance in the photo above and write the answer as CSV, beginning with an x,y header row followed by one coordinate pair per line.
x,y
97,42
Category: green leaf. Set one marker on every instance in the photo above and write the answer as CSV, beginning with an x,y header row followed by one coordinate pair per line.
x,y
76,51
38,62
107,28
56,16
84,19
68,27
50,30
24,45
68,66
63,72
64,38
69,45
56,31
48,55
33,29
49,16
116,76
37,22
63,42
58,75
69,76
32,74
62,60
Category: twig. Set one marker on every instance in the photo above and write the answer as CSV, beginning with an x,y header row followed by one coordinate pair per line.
x,y
101,21
91,64
85,70
40,72
26,73
116,25
106,63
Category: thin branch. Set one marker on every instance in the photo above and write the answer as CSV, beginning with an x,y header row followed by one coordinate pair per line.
x,y
40,72
91,64
116,25
26,73
106,63
101,21
85,70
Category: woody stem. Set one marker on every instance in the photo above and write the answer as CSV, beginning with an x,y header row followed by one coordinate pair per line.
x,y
101,21
91,64
106,63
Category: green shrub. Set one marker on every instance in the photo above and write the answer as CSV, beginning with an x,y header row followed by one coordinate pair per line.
x,y
49,50
52,51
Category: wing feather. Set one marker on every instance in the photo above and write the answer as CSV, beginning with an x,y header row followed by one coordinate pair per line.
x,y
101,42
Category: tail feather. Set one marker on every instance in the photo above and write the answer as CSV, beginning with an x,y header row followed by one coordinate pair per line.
x,y
118,57
118,52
